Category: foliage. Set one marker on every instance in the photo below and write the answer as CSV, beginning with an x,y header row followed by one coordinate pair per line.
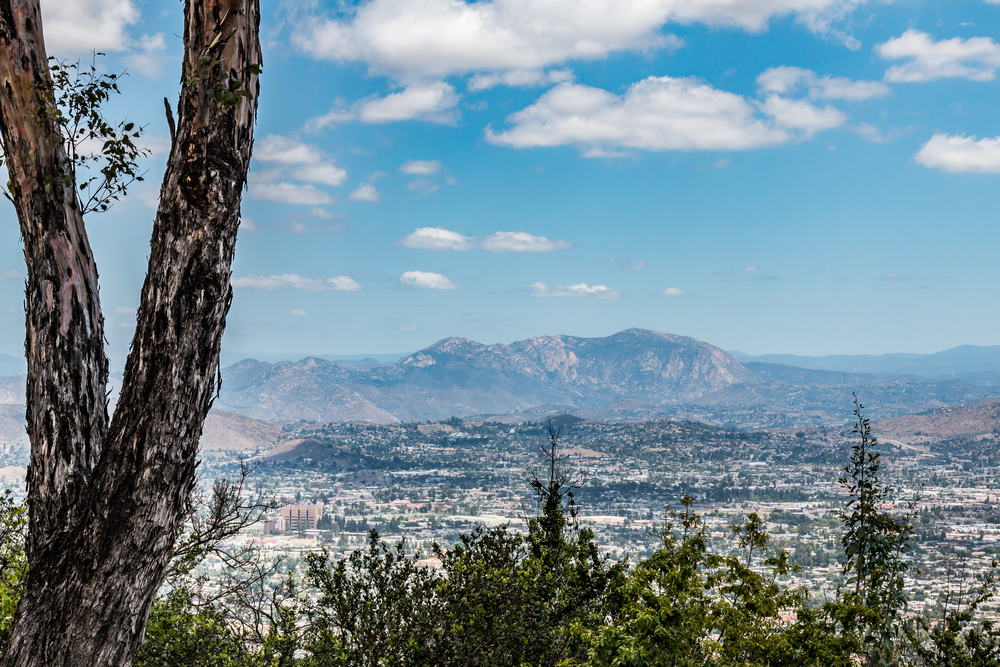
x,y
13,565
685,606
181,632
875,543
958,638
372,607
92,142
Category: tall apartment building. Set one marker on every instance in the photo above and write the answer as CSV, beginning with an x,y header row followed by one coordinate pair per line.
x,y
301,517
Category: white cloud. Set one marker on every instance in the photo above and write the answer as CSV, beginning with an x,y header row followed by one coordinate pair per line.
x,y
298,312
289,193
434,102
411,39
750,269
248,226
311,164
326,174
292,281
522,242
784,80
627,264
420,167
581,289
365,192
674,291
961,154
124,310
83,25
11,275
436,238
424,186
426,280
802,115
657,113
520,78
875,135
976,58
148,56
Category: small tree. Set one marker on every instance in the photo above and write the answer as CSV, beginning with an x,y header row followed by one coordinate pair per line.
x,y
875,544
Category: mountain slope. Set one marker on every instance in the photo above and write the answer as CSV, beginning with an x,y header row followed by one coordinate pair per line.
x,y
460,377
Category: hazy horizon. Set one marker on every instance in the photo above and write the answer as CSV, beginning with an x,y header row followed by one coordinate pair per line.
x,y
758,176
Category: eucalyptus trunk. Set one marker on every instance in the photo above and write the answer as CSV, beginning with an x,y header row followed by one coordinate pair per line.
x,y
106,496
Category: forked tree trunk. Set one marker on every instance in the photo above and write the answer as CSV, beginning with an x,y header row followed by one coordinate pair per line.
x,y
106,499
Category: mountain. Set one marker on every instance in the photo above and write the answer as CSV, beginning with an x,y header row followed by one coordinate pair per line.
x,y
228,430
12,365
460,377
977,418
956,361
227,358
11,423
12,389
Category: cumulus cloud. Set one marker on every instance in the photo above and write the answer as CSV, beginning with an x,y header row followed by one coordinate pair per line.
x,y
309,163
420,167
148,55
292,159
365,192
298,312
957,154
976,58
289,193
875,135
439,238
426,280
11,275
248,226
439,38
434,102
75,26
657,113
578,290
802,115
436,238
786,80
295,282
674,291
519,78
522,242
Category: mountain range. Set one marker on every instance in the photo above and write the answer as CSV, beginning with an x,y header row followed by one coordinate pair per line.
x,y
964,359
634,374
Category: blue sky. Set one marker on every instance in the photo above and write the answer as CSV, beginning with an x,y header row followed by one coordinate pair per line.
x,y
770,176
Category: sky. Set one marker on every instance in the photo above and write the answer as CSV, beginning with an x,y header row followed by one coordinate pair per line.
x,y
770,176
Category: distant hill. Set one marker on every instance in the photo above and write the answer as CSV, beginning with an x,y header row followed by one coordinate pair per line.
x,y
228,430
12,389
973,419
460,377
11,423
12,365
957,360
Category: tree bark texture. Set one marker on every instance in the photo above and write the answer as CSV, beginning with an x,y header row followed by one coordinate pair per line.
x,y
106,497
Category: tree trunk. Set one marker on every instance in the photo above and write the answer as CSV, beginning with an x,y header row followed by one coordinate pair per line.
x,y
106,499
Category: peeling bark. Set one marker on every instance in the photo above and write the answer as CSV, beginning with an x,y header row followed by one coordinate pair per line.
x,y
106,499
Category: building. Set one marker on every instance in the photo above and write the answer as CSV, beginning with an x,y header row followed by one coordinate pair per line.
x,y
274,526
301,517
